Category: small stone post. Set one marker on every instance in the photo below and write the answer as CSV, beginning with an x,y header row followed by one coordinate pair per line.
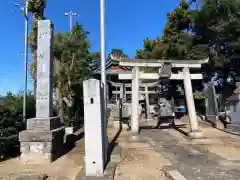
x,y
122,91
95,132
195,132
42,140
147,103
135,100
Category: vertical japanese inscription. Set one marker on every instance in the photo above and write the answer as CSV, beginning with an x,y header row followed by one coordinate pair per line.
x,y
44,70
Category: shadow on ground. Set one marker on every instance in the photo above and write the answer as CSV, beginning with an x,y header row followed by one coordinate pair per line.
x,y
178,128
13,153
69,143
170,126
113,143
164,123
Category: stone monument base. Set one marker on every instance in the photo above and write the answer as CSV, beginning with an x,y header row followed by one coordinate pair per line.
x,y
43,140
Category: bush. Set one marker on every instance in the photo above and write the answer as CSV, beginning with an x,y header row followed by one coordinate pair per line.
x,y
11,121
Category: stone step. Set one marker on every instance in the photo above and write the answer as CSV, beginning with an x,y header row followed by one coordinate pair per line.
x,y
27,176
233,128
172,173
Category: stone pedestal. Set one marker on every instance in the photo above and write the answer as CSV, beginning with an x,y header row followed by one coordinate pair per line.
x,y
42,142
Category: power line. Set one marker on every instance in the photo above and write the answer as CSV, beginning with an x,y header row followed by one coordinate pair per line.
x,y
14,77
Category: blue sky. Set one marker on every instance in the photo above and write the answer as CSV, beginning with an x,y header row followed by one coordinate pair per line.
x,y
127,23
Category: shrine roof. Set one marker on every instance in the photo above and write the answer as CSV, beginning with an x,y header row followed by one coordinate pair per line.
x,y
113,67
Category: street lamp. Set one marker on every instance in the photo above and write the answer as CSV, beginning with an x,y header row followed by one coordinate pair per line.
x,y
71,14
25,14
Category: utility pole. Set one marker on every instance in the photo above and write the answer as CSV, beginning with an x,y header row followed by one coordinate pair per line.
x,y
25,14
71,14
103,70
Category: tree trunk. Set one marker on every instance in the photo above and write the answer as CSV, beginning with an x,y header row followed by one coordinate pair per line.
x,y
69,103
60,104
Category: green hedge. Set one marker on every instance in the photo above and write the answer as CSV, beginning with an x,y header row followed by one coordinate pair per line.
x,y
11,121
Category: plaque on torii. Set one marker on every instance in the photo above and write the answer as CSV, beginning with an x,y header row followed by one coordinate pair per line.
x,y
165,71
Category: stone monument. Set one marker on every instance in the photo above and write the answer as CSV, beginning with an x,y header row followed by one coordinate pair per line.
x,y
95,129
42,140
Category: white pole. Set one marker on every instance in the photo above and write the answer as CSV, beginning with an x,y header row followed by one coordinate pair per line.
x,y
103,51
103,71
25,61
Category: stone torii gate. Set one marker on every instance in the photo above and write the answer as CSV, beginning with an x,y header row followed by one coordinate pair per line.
x,y
184,75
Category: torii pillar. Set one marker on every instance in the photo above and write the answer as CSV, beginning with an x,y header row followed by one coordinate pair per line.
x,y
135,100
195,132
